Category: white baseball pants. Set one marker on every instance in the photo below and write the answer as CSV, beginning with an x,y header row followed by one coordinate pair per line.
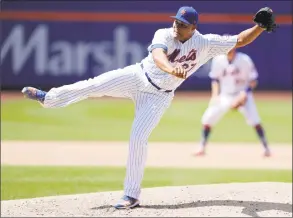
x,y
217,110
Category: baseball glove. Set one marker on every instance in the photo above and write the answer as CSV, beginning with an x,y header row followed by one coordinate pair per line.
x,y
265,19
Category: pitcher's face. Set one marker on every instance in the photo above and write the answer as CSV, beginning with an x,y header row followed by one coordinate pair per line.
x,y
182,31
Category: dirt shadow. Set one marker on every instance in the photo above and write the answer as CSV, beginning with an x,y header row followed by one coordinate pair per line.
x,y
250,208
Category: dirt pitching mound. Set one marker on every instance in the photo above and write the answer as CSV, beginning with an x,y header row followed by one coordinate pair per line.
x,y
219,200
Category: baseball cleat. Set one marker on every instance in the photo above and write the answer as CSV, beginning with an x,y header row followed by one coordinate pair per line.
x,y
34,94
127,203
201,152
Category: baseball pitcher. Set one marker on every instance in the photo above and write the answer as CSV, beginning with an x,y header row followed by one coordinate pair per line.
x,y
233,76
174,54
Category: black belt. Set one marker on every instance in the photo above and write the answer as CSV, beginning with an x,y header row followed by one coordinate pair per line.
x,y
151,82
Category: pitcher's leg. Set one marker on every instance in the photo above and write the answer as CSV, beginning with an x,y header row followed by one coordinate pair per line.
x,y
149,110
116,83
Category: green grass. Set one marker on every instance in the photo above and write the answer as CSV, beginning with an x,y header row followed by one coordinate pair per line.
x,y
19,182
111,120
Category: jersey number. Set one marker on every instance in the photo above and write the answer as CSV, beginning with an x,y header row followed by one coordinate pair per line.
x,y
188,67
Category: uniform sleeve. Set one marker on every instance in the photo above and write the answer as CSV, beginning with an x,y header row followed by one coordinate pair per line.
x,y
218,45
216,69
160,40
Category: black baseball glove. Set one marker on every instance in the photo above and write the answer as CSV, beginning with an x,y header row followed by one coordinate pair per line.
x,y
265,19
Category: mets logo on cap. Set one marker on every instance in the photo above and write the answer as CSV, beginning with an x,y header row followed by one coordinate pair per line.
x,y
183,11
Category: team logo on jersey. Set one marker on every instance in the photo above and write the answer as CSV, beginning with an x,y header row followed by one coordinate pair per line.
x,y
191,56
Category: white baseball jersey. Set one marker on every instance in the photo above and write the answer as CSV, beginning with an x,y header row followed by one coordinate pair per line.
x,y
191,54
235,76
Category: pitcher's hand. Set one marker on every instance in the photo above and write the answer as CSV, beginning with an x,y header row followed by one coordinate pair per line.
x,y
179,72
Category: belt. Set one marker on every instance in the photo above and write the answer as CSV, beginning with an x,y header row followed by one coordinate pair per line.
x,y
153,84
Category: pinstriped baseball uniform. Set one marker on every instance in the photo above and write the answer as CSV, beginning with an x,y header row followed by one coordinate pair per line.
x,y
151,90
233,78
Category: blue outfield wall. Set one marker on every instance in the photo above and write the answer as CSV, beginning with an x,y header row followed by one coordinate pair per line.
x,y
50,53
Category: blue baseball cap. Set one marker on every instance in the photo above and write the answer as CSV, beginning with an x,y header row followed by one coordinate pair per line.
x,y
187,15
